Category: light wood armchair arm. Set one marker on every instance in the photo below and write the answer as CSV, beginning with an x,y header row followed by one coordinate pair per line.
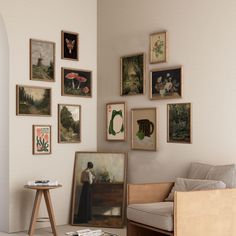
x,y
147,193
205,213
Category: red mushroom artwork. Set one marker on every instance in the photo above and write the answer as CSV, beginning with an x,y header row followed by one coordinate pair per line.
x,y
71,76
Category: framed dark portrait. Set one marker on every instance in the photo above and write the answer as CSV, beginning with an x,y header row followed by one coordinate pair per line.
x,y
69,45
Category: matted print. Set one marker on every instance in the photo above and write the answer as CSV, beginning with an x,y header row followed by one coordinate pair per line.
x,y
99,189
179,123
144,129
116,121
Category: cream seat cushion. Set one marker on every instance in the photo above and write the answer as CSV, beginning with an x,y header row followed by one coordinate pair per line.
x,y
158,214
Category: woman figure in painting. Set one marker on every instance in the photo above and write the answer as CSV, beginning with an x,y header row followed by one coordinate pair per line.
x,y
85,204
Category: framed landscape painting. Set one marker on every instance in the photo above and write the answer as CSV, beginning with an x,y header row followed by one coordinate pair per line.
x,y
116,121
69,45
69,123
76,82
158,47
179,123
33,101
133,74
42,139
42,60
99,189
144,129
166,83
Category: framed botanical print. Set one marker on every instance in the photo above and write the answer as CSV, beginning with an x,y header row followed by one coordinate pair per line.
x,y
69,123
69,45
42,60
76,82
99,189
179,123
116,121
144,129
158,47
132,74
33,101
42,139
166,83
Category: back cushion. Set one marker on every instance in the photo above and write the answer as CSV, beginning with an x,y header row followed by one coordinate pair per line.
x,y
184,185
224,173
198,170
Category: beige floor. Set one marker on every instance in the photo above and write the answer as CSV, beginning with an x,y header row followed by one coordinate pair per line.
x,y
61,230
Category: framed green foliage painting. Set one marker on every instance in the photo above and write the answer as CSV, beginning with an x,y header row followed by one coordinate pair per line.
x,y
69,123
116,121
179,123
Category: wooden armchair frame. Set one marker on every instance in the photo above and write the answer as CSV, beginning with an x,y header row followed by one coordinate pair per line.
x,y
196,213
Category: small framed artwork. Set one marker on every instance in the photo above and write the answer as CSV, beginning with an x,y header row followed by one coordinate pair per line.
x,y
42,139
116,121
144,129
42,60
76,82
33,101
166,83
179,123
69,45
133,74
99,189
69,123
158,47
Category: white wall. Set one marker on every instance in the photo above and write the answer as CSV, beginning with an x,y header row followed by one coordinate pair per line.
x,y
202,36
44,20
4,127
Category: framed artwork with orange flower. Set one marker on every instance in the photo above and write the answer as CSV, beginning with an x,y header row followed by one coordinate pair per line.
x,y
42,139
76,82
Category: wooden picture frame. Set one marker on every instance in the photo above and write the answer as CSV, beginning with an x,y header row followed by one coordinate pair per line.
x,y
101,201
158,49
42,141
69,123
166,83
116,121
42,60
179,119
69,45
76,82
132,74
26,97
144,129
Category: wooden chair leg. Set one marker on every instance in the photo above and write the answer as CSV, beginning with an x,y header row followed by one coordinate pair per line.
x,y
35,211
50,211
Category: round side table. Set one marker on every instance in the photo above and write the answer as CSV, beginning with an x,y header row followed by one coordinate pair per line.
x,y
40,191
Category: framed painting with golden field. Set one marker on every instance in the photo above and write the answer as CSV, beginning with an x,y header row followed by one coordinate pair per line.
x,y
158,47
99,189
144,129
116,121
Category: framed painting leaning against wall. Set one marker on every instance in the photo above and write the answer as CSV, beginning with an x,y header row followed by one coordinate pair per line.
x,y
116,121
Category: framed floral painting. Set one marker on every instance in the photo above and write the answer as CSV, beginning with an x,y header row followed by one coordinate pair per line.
x,y
42,139
133,74
116,121
144,129
158,47
166,83
69,45
76,82
179,123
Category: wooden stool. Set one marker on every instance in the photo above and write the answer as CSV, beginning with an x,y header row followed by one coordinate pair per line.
x,y
42,190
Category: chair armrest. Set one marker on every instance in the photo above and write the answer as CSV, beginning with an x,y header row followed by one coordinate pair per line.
x,y
147,193
205,213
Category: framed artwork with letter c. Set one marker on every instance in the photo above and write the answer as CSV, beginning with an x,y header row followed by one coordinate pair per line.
x,y
144,129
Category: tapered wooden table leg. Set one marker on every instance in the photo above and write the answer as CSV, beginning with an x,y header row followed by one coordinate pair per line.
x,y
50,211
35,211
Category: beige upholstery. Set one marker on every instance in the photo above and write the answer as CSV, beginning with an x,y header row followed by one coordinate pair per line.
x,y
159,214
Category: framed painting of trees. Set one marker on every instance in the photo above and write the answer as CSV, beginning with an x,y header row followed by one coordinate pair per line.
x,y
69,123
33,101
